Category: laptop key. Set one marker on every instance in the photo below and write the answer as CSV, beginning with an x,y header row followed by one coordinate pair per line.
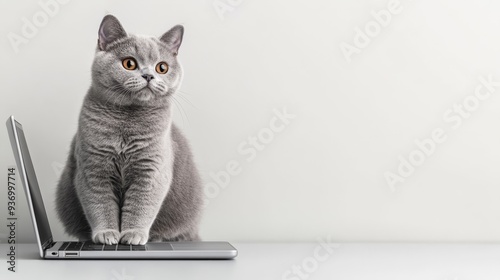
x,y
74,246
63,246
123,247
92,247
109,247
138,247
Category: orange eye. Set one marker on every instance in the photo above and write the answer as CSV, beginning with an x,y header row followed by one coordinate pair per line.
x,y
162,67
129,63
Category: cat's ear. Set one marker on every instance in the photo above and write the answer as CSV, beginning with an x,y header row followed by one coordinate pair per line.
x,y
109,31
173,38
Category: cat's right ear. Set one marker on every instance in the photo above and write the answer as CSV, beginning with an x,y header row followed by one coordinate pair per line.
x,y
109,31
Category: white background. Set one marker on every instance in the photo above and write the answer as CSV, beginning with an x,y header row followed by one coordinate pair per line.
x,y
323,174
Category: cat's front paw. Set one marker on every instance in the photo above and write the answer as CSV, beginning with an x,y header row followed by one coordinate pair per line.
x,y
106,236
134,236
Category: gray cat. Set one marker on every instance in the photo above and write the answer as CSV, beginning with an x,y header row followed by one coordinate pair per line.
x,y
130,175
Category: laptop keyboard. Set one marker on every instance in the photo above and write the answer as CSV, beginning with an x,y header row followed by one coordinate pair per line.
x,y
90,246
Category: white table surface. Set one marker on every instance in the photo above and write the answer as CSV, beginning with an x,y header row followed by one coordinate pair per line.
x,y
257,261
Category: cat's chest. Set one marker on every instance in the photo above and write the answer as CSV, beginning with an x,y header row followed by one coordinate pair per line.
x,y
134,141
136,149
125,134
126,140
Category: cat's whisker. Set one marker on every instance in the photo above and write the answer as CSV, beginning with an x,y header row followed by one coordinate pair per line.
x,y
181,110
112,91
111,95
185,92
184,98
124,93
177,106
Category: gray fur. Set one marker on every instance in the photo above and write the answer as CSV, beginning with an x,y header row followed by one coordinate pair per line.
x,y
130,175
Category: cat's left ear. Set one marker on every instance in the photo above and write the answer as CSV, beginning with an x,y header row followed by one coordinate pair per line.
x,y
173,38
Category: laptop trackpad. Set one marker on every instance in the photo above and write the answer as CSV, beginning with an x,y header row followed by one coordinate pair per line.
x,y
159,247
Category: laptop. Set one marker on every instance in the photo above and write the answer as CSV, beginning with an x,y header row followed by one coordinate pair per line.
x,y
50,249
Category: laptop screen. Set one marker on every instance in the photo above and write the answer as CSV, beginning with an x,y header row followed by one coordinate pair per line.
x,y
42,223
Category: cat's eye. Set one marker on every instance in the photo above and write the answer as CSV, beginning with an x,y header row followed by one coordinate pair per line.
x,y
162,67
129,63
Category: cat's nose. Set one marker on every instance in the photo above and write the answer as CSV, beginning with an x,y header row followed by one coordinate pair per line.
x,y
148,77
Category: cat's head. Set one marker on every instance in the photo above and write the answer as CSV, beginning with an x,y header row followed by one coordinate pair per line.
x,y
136,70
